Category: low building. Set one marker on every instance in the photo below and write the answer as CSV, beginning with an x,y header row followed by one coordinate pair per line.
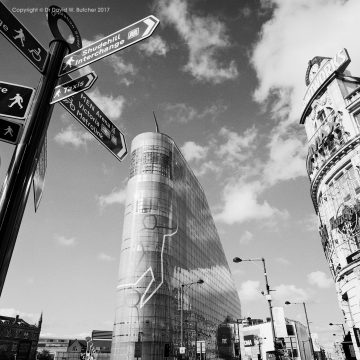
x,y
52,345
18,339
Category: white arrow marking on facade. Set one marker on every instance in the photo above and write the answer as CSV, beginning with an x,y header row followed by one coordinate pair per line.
x,y
145,299
150,24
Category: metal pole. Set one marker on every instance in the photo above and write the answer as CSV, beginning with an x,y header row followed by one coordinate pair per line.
x,y
181,313
292,349
269,302
310,339
17,183
237,322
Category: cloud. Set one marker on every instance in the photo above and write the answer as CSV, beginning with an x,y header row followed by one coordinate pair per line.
x,y
72,136
28,317
310,222
110,105
290,293
117,196
64,241
183,113
286,160
320,279
233,150
250,290
246,238
241,202
205,37
154,45
193,151
105,257
119,65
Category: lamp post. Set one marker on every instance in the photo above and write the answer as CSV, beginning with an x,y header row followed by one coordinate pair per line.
x,y
331,324
200,281
307,323
267,296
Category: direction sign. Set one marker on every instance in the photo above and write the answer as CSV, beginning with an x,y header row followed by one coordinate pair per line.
x,y
109,44
10,131
21,38
84,110
15,100
72,87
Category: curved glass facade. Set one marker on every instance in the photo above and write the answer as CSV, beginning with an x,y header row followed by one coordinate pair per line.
x,y
169,243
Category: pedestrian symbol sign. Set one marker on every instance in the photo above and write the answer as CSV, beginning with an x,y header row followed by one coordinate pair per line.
x,y
15,100
10,131
21,38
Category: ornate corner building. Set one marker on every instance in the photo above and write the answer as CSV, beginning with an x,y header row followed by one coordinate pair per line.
x,y
174,285
331,115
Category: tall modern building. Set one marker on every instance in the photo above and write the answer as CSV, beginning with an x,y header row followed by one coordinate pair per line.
x,y
331,115
175,286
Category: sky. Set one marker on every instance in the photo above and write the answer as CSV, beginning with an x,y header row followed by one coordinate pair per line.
x,y
226,81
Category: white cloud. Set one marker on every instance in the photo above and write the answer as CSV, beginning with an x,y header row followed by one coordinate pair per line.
x,y
246,238
193,151
204,36
110,105
64,241
310,222
241,203
117,196
285,292
233,150
250,290
71,135
320,279
28,317
105,257
120,66
286,160
183,113
154,45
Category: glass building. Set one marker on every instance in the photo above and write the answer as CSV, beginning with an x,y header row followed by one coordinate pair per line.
x,y
169,243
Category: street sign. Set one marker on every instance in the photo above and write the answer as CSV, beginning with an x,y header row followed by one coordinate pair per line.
x,y
84,110
72,87
21,38
10,131
15,100
109,44
39,176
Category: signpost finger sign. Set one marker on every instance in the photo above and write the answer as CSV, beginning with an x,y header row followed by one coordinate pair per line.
x,y
110,44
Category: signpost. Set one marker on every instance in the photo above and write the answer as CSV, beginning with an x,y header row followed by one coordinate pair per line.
x,y
83,109
21,38
10,131
72,87
29,159
110,44
15,100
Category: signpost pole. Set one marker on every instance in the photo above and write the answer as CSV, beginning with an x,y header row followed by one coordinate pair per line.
x,y
18,180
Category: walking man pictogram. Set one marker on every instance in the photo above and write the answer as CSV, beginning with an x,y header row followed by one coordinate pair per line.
x,y
9,131
20,35
69,63
17,100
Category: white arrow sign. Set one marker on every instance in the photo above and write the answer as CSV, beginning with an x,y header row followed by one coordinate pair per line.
x,y
109,44
72,87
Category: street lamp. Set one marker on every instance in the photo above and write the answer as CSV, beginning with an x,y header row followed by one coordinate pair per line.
x,y
267,296
307,323
331,324
200,281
